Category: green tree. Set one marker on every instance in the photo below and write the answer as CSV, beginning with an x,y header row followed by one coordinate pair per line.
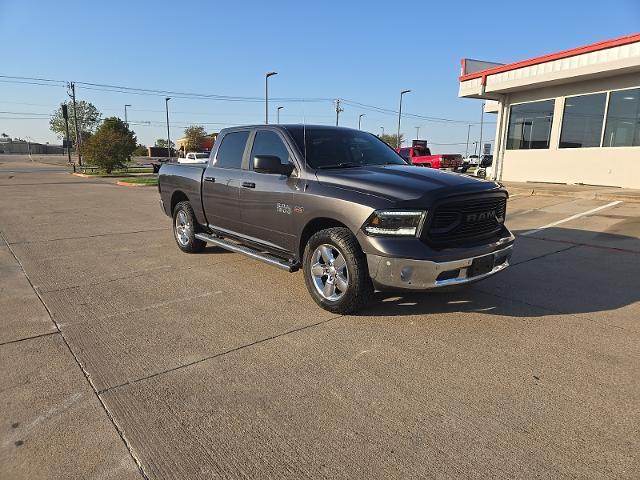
x,y
391,140
141,151
162,143
111,146
194,135
88,120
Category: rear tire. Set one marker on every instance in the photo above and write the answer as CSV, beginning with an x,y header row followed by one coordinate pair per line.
x,y
336,272
184,229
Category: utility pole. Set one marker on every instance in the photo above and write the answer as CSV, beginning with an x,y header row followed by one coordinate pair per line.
x,y
166,102
360,119
382,128
417,133
125,114
278,113
466,153
72,86
481,122
65,115
400,115
266,96
338,110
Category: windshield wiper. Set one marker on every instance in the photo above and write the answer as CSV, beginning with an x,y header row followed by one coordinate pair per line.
x,y
341,165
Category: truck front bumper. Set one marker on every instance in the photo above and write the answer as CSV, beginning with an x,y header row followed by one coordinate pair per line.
x,y
391,273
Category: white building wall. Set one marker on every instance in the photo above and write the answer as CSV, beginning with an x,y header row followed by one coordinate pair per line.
x,y
615,166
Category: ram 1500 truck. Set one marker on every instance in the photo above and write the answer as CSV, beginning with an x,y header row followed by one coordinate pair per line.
x,y
341,205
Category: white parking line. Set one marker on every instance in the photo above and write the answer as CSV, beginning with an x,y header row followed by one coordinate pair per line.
x,y
573,217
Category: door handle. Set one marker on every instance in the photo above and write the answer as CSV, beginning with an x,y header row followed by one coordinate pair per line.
x,y
210,179
248,184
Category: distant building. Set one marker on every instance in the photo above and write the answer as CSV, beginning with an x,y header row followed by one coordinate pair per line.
x,y
567,117
18,146
205,145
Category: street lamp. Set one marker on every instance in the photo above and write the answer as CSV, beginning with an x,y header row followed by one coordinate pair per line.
x,y
382,128
360,119
400,114
125,114
278,113
466,153
266,96
481,122
166,102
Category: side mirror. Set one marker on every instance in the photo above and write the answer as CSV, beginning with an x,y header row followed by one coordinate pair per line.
x,y
271,164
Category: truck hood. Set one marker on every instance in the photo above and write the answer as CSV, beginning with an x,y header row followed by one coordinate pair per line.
x,y
403,182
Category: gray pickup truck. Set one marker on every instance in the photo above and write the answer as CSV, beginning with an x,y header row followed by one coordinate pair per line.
x,y
341,205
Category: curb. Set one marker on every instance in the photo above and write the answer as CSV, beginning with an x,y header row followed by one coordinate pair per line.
x,y
604,196
83,175
128,184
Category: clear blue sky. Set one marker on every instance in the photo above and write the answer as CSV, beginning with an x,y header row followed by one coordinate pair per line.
x,y
360,50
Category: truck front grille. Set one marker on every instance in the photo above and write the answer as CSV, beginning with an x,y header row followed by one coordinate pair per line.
x,y
472,219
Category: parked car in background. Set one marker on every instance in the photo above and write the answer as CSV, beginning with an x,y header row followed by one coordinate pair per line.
x,y
340,205
473,160
420,155
193,157
486,161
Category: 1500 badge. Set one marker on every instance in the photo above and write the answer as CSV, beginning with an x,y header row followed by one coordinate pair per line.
x,y
283,208
286,209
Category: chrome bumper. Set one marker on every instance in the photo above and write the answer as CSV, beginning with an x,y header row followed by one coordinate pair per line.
x,y
406,273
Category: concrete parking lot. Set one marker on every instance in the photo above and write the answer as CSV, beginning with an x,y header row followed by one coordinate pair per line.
x,y
121,357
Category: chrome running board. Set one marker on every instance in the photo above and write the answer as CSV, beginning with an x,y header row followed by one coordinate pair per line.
x,y
248,251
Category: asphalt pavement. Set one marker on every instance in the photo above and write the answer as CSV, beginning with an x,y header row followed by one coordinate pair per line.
x,y
121,357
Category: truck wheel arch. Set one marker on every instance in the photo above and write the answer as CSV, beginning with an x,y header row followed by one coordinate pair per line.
x,y
313,226
176,198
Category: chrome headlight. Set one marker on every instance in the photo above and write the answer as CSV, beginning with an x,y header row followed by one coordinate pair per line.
x,y
404,223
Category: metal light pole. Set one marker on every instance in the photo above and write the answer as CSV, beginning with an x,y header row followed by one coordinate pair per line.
x,y
360,119
466,153
278,113
166,102
125,114
382,128
400,115
266,96
481,122
418,133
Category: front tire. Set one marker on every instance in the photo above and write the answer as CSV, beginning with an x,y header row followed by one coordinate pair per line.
x,y
335,271
184,229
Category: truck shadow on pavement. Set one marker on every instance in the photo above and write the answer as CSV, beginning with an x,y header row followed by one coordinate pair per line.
x,y
553,272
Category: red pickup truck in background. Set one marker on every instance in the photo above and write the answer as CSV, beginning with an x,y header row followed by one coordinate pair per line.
x,y
419,154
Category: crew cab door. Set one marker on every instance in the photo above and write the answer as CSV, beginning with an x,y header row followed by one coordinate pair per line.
x,y
221,182
267,200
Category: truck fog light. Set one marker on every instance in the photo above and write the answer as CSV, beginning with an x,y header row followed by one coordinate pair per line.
x,y
406,273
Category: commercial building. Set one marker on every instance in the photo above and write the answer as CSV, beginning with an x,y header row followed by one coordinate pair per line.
x,y
18,146
206,144
567,117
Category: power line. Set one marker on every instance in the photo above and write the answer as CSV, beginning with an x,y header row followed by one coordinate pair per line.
x,y
228,98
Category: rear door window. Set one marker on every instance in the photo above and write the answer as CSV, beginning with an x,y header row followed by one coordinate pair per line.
x,y
231,150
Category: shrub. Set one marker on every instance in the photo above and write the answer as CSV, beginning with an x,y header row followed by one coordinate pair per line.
x,y
111,146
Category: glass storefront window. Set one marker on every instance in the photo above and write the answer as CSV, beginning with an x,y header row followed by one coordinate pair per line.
x,y
623,119
582,121
530,125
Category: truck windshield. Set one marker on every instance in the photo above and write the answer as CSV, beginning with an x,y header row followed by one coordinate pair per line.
x,y
342,148
202,155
